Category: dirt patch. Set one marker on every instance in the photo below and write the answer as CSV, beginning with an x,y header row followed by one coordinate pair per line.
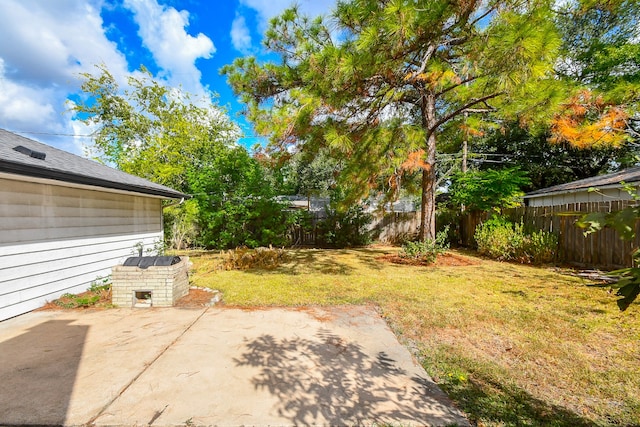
x,y
445,260
197,298
83,301
320,315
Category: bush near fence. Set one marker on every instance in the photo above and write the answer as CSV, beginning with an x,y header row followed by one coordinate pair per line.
x,y
604,249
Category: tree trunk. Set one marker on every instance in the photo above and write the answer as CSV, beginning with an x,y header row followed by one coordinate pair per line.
x,y
428,205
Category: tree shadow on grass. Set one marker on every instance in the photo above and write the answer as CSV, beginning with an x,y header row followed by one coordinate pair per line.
x,y
486,401
310,261
326,261
368,256
329,381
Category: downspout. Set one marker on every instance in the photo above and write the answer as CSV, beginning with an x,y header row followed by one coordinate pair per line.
x,y
162,215
173,204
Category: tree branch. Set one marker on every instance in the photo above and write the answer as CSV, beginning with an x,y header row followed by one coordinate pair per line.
x,y
480,110
462,82
427,56
484,15
445,175
462,109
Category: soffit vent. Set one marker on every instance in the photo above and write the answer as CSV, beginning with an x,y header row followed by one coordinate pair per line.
x,y
29,152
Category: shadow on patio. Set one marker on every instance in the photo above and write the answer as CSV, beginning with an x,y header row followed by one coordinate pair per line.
x,y
38,372
330,381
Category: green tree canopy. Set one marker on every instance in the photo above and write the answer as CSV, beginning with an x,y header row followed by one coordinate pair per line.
x,y
236,203
151,130
380,81
599,64
601,46
489,190
164,135
308,174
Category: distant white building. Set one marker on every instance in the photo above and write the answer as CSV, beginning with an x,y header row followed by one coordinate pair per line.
x,y
603,188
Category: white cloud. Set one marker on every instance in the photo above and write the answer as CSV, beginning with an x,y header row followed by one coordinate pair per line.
x,y
82,140
23,105
45,45
51,42
163,32
240,36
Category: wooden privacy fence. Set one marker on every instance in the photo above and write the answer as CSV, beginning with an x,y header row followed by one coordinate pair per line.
x,y
395,227
299,236
603,249
392,227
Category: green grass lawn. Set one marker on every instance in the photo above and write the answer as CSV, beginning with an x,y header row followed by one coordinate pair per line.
x,y
512,345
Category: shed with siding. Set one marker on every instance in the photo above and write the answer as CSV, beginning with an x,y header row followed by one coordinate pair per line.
x,y
609,188
550,209
65,221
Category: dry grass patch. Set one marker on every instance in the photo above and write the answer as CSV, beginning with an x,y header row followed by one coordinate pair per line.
x,y
512,345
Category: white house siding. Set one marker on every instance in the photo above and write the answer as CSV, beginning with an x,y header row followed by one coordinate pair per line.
x,y
56,239
580,196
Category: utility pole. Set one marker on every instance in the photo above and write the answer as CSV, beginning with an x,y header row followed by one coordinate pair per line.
x,y
466,137
464,153
464,148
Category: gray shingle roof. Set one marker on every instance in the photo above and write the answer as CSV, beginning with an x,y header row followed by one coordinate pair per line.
x,y
63,166
630,175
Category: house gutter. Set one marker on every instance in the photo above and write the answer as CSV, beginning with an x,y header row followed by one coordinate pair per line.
x,y
174,204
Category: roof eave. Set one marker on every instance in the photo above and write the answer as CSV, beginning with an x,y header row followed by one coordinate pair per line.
x,y
575,190
36,172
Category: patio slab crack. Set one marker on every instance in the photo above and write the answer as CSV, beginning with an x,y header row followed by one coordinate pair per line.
x,y
145,369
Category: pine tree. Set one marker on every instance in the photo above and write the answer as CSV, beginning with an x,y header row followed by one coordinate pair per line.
x,y
378,82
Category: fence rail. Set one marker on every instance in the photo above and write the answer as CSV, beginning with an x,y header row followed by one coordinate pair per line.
x,y
603,249
392,227
395,227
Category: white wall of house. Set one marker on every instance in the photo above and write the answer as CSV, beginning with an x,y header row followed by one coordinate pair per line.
x,y
56,238
580,196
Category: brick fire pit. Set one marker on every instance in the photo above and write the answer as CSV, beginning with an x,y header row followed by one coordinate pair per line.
x,y
150,281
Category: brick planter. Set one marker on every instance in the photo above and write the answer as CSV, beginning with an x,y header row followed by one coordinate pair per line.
x,y
154,286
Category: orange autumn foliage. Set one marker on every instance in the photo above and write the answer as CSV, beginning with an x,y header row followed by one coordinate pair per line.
x,y
587,121
415,161
471,131
434,78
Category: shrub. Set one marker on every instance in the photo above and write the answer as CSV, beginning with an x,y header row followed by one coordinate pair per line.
x,y
243,258
498,238
244,221
341,229
449,219
98,293
101,284
181,225
426,251
502,240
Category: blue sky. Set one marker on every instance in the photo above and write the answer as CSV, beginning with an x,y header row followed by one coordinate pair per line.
x,y
46,44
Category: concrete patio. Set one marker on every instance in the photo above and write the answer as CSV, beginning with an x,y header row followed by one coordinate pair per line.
x,y
214,366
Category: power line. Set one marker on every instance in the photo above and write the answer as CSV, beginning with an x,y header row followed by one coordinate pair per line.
x,y
52,133
93,134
